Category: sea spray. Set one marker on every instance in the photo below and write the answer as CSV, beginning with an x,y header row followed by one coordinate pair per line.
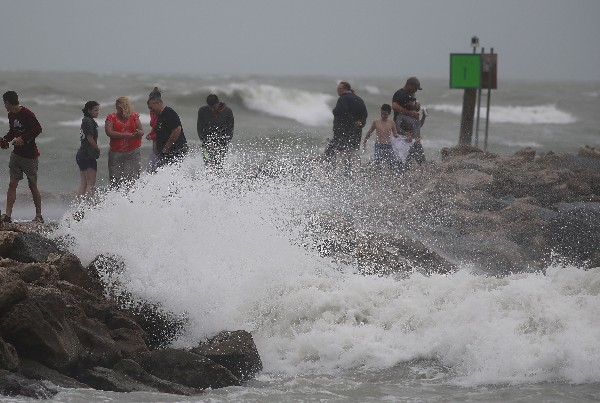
x,y
223,248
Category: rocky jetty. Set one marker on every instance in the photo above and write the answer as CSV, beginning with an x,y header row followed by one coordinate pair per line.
x,y
75,327
497,214
60,323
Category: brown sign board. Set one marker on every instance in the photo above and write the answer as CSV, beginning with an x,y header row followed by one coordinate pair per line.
x,y
489,71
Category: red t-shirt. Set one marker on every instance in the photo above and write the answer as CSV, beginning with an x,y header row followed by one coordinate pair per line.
x,y
153,119
124,145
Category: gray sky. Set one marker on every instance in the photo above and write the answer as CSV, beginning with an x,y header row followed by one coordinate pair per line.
x,y
534,39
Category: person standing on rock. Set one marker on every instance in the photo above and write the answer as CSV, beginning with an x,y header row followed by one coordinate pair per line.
x,y
402,104
23,130
171,144
349,117
215,130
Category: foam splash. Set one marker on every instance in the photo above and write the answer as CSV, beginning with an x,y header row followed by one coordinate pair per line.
x,y
526,115
222,249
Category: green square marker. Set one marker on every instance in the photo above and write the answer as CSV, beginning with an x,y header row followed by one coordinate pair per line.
x,y
465,70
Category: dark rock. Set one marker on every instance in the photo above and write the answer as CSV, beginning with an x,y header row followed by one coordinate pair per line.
x,y
575,235
12,290
16,385
38,329
527,153
235,351
188,369
133,370
107,379
99,348
34,370
8,356
31,247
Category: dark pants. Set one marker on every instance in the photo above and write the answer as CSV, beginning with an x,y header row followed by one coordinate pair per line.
x,y
214,153
416,153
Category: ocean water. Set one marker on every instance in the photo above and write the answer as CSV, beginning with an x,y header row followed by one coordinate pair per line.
x,y
234,251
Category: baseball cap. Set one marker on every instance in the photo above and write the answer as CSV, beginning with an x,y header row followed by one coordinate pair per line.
x,y
414,81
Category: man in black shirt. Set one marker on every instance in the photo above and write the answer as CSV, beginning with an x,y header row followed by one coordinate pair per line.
x,y
401,106
349,117
215,130
171,144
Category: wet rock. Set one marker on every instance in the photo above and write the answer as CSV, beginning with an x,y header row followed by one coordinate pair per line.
x,y
34,370
8,356
133,370
108,379
235,351
188,369
31,247
12,384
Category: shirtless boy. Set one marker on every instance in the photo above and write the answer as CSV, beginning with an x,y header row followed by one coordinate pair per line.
x,y
385,128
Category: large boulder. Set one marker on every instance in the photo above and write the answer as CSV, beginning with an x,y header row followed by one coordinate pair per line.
x,y
574,234
188,369
9,358
133,370
39,329
235,351
12,384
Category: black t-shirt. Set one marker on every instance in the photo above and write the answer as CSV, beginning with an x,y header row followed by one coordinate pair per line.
x,y
402,98
167,121
88,126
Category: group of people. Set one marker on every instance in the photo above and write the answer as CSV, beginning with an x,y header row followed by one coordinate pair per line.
x,y
125,131
397,143
169,144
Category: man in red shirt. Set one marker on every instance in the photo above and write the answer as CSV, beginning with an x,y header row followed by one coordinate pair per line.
x,y
24,128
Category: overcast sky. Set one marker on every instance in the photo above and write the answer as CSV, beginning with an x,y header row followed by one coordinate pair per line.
x,y
534,39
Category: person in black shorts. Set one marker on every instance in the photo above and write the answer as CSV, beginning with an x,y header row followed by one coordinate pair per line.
x,y
88,151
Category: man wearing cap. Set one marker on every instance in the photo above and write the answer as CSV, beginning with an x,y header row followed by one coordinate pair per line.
x,y
401,104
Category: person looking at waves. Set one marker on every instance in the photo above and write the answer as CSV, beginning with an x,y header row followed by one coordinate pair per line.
x,y
349,117
215,130
406,115
23,130
153,156
88,151
171,144
125,131
385,129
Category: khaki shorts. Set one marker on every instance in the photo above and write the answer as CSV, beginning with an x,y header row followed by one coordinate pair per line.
x,y
19,165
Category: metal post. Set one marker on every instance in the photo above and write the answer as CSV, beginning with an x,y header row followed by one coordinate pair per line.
x,y
487,116
478,109
468,108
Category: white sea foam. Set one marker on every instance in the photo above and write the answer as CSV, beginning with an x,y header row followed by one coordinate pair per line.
x,y
372,89
223,251
540,114
308,108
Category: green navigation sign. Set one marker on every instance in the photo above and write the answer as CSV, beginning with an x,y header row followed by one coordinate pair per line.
x,y
465,70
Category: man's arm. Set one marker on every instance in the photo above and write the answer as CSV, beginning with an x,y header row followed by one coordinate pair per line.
x,y
171,140
403,111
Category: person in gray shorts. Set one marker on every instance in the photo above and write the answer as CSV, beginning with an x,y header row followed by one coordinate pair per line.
x,y
24,128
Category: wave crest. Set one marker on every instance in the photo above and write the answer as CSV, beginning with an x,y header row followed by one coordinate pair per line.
x,y
538,114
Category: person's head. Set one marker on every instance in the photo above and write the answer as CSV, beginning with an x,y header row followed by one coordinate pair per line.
x,y
91,109
386,109
213,102
154,93
11,99
124,107
155,104
412,85
343,86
